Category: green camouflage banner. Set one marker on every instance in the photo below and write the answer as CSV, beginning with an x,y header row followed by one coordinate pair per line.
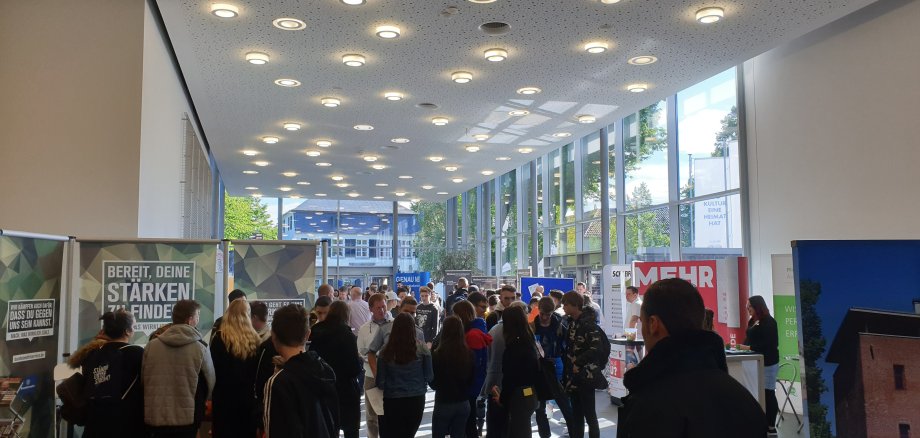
x,y
275,271
30,296
147,278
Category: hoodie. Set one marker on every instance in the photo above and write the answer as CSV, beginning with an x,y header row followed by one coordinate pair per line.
x,y
478,341
682,389
178,376
301,400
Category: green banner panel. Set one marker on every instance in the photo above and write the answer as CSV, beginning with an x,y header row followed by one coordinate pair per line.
x,y
275,271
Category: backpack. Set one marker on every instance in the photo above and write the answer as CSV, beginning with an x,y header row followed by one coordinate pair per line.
x,y
74,399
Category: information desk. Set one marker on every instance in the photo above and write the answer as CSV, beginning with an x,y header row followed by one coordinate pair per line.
x,y
747,369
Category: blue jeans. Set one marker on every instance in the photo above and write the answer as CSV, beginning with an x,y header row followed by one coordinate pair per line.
x,y
449,418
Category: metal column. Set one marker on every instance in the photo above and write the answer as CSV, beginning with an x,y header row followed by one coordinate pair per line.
x,y
605,197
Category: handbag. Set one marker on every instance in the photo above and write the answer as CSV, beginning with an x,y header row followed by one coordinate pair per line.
x,y
74,399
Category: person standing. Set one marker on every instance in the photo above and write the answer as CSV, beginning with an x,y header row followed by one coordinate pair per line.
x,y
403,374
496,415
300,399
634,304
478,341
506,296
682,387
763,337
359,313
113,372
427,316
235,294
234,354
453,375
460,294
583,365
582,290
366,335
259,312
519,373
178,376
550,331
321,308
333,340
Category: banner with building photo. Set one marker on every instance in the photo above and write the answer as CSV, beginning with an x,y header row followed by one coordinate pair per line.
x,y
30,292
278,272
147,278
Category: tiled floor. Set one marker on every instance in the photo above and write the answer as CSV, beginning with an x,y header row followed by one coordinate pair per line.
x,y
606,413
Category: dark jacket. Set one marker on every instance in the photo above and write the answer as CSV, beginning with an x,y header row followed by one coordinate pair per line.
x,y
338,346
265,368
763,337
584,348
519,367
233,401
451,382
428,318
301,401
493,318
116,397
456,297
682,389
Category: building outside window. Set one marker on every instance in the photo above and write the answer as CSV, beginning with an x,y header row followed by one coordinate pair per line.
x,y
362,248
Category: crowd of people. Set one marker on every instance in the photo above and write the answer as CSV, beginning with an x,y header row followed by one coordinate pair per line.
x,y
493,361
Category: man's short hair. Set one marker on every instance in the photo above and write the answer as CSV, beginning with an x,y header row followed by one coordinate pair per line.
x,y
259,310
582,284
546,305
430,285
676,303
462,283
183,310
632,289
323,301
508,288
376,298
474,288
235,294
477,297
557,294
408,300
325,290
573,298
493,300
384,288
290,325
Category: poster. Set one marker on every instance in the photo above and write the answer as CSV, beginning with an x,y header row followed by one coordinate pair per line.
x,y
413,280
275,304
484,282
450,280
784,311
529,285
614,279
30,291
268,270
860,340
147,278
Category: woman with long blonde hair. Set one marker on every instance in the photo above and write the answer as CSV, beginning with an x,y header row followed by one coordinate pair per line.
x,y
233,351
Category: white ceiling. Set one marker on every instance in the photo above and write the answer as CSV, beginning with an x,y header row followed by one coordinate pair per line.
x,y
238,103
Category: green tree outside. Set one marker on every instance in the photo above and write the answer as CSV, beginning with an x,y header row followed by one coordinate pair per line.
x,y
244,217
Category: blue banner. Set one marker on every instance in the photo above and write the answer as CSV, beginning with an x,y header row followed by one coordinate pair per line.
x,y
529,284
413,280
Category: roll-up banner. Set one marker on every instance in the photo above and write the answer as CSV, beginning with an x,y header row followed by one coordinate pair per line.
x,y
413,280
614,280
30,300
722,283
277,272
784,311
146,277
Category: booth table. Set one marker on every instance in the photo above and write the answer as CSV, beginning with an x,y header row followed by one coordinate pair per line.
x,y
747,369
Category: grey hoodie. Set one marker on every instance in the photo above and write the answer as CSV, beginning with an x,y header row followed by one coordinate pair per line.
x,y
173,364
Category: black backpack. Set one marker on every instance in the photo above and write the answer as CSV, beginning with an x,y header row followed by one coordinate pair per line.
x,y
74,399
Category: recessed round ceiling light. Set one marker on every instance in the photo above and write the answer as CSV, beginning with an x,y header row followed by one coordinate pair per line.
x,y
337,177
354,2
487,172
252,188
270,140
287,82
353,60
482,1
502,158
381,184
562,134
312,153
261,163
289,174
461,77
435,159
319,194
586,118
321,164
291,126
642,60
610,2
427,187
370,158
399,193
257,58
342,184
293,196
285,189
528,90
256,195
364,128
442,193
393,95
378,197
481,137
710,15
224,10
250,153
330,102
637,88
457,180
518,113
525,150
323,143
472,148
303,183
400,140
496,54
289,23
416,200
439,121
450,168
378,166
405,176
596,47
387,31
250,172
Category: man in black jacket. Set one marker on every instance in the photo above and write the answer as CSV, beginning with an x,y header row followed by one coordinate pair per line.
x,y
506,296
459,294
300,399
682,387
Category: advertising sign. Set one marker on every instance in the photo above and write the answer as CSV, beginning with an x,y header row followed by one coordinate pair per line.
x,y
614,279
149,290
275,304
784,311
450,280
529,285
270,270
617,369
29,319
413,280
